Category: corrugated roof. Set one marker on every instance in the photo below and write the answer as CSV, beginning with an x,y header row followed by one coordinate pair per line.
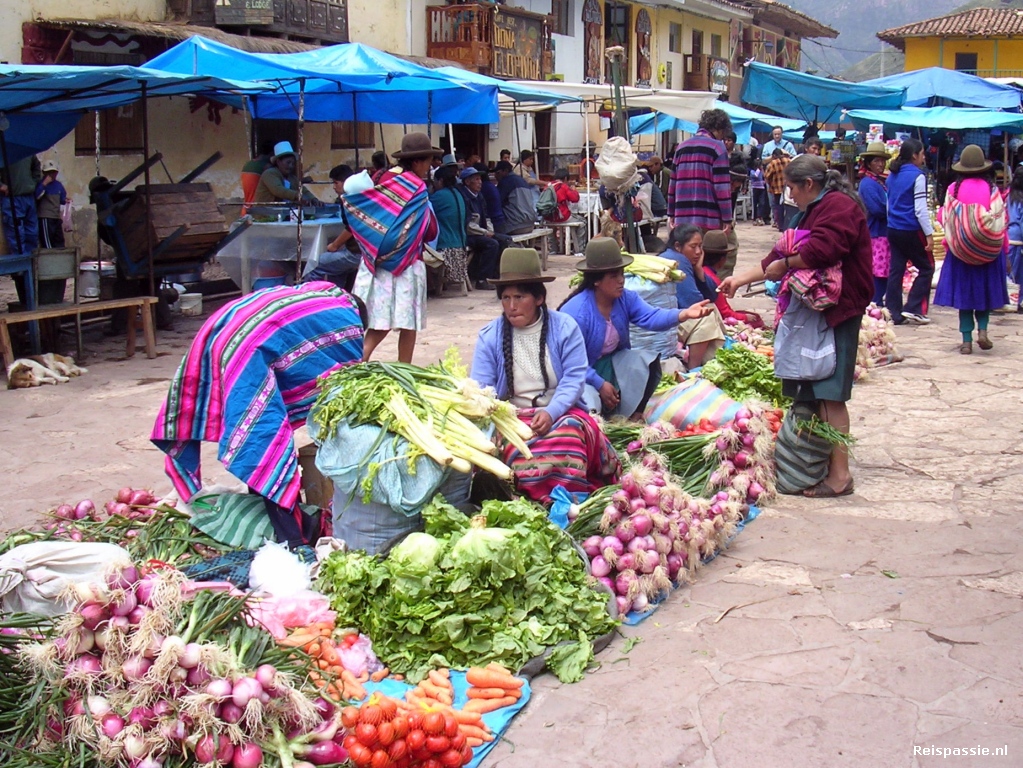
x,y
170,30
785,16
979,22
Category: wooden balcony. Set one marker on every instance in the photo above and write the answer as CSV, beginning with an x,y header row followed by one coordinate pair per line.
x,y
494,40
323,21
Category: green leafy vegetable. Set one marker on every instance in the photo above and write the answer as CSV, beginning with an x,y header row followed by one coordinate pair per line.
x,y
744,375
814,426
504,587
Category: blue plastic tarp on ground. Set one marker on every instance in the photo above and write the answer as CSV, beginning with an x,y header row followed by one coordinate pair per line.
x,y
632,618
950,118
744,122
497,721
808,97
341,82
923,86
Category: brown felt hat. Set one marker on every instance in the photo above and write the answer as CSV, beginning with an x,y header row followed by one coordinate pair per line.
x,y
416,145
715,241
972,161
875,149
603,254
520,265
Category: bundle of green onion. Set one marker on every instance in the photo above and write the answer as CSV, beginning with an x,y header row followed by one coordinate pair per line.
x,y
439,412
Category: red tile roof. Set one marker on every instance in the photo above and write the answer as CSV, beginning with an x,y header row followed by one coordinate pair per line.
x,y
979,22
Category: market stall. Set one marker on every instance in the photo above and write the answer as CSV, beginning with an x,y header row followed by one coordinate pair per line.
x,y
744,122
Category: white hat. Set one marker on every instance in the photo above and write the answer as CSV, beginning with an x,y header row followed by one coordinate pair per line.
x,y
359,182
282,148
448,160
50,165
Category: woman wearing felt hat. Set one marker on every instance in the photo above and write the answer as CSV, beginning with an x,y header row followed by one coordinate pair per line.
x,y
619,379
535,358
392,222
874,193
973,275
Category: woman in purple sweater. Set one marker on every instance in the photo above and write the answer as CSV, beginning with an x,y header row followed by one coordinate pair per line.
x,y
619,380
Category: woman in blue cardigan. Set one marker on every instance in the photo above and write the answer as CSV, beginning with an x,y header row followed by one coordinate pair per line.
x,y
620,379
536,359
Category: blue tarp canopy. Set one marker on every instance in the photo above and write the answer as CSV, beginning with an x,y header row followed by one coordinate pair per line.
x,y
342,82
44,103
744,122
812,98
950,118
925,86
797,136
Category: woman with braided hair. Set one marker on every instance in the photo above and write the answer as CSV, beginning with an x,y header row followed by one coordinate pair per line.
x,y
535,358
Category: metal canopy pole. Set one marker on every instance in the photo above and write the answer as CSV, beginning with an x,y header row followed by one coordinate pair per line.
x,y
10,194
149,196
301,134
616,54
591,225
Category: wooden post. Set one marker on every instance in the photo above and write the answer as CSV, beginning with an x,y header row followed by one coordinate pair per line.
x,y
149,198
301,134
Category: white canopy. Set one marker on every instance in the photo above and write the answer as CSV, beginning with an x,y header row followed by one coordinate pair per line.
x,y
685,105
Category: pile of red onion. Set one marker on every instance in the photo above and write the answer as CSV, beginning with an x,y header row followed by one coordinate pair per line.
x,y
138,695
653,535
746,447
130,503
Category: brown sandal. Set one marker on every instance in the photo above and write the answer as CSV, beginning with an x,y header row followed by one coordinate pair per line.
x,y
824,491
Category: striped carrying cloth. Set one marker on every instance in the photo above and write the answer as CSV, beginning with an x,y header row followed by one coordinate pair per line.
x,y
248,381
391,222
574,455
975,234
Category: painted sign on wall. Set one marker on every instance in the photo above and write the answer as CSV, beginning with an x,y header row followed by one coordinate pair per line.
x,y
244,11
593,23
517,46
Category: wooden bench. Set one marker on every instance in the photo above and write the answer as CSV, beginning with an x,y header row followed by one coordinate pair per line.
x,y
529,237
565,229
145,303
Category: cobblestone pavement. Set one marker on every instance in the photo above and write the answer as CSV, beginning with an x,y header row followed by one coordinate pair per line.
x,y
851,632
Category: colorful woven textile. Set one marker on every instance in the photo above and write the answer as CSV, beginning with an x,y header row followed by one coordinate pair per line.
x,y
391,222
974,233
819,289
574,455
248,381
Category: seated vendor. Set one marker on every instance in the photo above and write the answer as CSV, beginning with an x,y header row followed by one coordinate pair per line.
x,y
702,336
248,382
619,380
535,358
279,182
715,248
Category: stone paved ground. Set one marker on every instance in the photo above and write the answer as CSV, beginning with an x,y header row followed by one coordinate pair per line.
x,y
832,633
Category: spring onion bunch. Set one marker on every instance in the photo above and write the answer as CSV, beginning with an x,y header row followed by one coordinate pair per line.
x,y
439,413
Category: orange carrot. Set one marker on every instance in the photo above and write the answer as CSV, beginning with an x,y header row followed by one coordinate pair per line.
x,y
488,693
468,718
397,677
379,675
491,678
489,705
474,732
363,678
439,680
297,640
498,668
472,742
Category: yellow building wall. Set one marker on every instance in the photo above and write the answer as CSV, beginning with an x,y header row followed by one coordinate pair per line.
x,y
994,55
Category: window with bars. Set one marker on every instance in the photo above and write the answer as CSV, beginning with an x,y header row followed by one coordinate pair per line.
x,y
120,132
674,37
561,12
349,135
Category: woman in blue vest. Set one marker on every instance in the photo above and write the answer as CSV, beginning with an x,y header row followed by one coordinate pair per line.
x,y
910,235
619,380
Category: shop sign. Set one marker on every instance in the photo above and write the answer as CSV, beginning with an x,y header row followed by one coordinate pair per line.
x,y
518,46
719,73
244,12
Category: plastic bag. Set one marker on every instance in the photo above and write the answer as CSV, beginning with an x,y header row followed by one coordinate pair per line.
x,y
691,401
563,503
67,212
617,165
32,576
277,571
358,658
279,614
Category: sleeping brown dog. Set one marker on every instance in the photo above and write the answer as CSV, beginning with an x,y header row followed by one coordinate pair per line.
x,y
36,370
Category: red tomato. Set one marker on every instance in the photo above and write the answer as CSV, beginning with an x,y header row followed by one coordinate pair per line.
x,y
433,723
450,759
415,721
380,759
400,727
450,726
438,744
360,755
458,741
466,754
350,717
349,640
416,740
385,734
398,750
431,763
366,734
371,714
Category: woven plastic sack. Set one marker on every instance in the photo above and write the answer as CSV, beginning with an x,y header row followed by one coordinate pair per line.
x,y
689,402
664,343
617,165
801,459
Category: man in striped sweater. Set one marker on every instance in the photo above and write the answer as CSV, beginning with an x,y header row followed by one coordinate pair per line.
x,y
700,188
